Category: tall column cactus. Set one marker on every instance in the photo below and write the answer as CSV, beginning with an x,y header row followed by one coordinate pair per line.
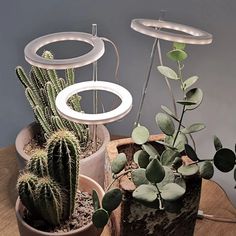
x,y
41,89
49,185
63,166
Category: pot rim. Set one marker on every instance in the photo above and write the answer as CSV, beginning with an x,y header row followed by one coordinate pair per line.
x,y
20,218
34,125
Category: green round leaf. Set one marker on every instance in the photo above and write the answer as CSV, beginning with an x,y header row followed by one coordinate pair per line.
x,y
172,192
150,150
217,143
168,111
180,46
190,153
168,156
177,163
169,177
140,135
195,95
193,128
168,72
96,203
189,82
145,193
118,164
143,159
177,55
112,199
224,159
100,218
235,174
165,123
139,176
206,169
155,172
181,182
188,170
136,155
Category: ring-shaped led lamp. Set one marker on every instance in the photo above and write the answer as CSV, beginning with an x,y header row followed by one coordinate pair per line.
x,y
100,118
34,59
191,35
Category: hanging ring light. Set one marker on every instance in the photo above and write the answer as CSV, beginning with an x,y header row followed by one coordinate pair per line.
x,y
188,35
34,59
100,118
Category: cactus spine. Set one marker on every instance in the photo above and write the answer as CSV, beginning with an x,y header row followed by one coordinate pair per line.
x,y
63,166
41,89
48,187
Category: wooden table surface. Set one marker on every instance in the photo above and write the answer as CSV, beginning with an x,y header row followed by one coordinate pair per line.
x,y
213,201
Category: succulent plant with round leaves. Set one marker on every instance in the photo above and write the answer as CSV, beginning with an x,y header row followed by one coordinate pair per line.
x,y
48,186
160,176
41,88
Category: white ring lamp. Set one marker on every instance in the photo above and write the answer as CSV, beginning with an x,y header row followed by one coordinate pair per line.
x,y
100,118
147,27
92,56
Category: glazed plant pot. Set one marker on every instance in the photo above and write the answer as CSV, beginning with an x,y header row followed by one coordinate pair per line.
x,y
85,184
133,218
91,166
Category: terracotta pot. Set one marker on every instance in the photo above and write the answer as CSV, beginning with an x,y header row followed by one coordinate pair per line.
x,y
161,223
92,166
85,184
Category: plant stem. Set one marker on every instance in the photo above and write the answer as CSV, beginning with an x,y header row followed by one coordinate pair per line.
x,y
205,160
180,123
182,84
180,74
191,137
159,198
117,177
166,79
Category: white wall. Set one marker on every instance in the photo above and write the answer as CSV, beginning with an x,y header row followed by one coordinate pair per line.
x,y
24,20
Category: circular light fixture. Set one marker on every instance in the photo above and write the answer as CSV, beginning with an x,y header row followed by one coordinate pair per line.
x,y
34,59
100,118
192,35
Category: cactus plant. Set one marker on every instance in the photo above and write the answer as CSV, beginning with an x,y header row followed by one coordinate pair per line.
x,y
41,88
63,166
159,176
49,185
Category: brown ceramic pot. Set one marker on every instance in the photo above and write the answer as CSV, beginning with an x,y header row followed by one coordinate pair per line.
x,y
85,184
92,166
133,219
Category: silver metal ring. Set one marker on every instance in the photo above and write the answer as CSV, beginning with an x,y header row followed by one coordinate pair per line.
x,y
192,35
34,59
100,118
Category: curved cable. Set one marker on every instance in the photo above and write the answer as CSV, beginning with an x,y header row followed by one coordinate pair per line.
x,y
117,55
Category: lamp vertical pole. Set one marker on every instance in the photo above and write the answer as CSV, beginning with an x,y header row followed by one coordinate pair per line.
x,y
145,86
95,92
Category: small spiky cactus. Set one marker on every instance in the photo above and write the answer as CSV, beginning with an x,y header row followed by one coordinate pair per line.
x,y
49,200
38,163
26,186
49,185
63,166
41,89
